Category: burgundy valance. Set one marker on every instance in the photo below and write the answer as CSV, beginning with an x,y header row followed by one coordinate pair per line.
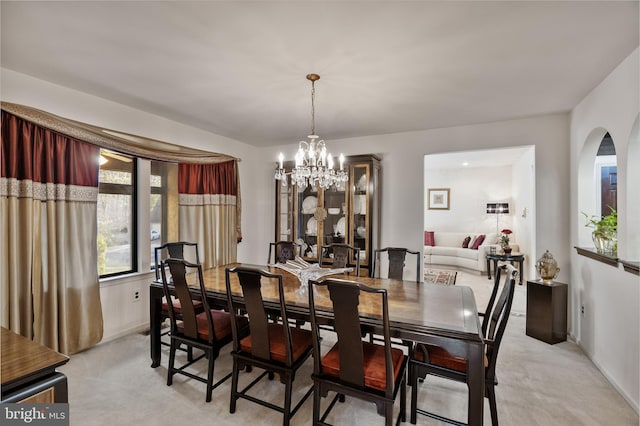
x,y
34,153
217,178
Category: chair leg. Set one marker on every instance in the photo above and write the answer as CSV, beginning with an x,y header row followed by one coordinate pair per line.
x,y
234,387
414,394
316,405
189,353
403,399
491,394
172,359
287,401
210,375
388,414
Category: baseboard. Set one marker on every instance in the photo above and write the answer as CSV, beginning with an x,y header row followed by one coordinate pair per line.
x,y
125,332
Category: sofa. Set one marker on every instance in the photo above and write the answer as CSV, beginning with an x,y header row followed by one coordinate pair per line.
x,y
446,248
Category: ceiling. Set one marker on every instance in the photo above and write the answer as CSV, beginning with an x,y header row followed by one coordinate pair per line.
x,y
238,68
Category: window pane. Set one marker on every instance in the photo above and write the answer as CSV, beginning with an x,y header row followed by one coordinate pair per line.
x,y
115,231
158,208
156,225
116,220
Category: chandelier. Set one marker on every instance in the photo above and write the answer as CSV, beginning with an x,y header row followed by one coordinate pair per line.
x,y
314,165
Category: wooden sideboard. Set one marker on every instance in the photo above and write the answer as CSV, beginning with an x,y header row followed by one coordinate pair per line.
x,y
28,371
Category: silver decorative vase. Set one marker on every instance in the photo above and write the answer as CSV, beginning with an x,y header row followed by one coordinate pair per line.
x,y
547,267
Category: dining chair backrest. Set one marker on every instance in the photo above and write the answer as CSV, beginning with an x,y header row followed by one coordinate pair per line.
x,y
342,255
283,251
498,317
252,287
180,269
396,261
345,298
175,250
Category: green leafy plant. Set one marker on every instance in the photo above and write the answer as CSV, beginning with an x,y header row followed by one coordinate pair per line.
x,y
603,226
504,237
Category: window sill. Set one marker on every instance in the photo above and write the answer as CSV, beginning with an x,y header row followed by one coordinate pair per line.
x,y
120,279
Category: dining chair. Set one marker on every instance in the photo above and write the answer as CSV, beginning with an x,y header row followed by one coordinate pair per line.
x,y
354,367
396,261
208,330
432,359
273,346
342,255
283,251
175,250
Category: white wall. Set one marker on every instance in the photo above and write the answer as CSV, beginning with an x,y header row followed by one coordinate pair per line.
x,y
470,190
609,330
523,210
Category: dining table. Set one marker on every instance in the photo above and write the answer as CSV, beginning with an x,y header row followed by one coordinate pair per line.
x,y
442,315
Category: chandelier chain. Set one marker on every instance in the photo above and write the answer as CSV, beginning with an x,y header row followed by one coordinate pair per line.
x,y
313,107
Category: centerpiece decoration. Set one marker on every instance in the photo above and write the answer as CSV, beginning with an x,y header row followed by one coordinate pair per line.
x,y
504,240
605,232
306,271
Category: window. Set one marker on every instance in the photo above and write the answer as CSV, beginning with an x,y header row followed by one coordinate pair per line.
x,y
157,207
117,252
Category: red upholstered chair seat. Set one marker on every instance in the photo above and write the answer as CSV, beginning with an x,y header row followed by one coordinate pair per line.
x,y
178,308
301,342
440,357
221,324
374,364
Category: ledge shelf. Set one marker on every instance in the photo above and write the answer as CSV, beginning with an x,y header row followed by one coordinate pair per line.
x,y
593,254
628,265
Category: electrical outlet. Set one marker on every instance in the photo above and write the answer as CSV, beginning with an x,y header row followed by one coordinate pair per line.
x,y
582,310
136,294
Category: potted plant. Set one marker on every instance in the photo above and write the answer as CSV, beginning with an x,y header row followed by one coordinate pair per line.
x,y
504,240
605,232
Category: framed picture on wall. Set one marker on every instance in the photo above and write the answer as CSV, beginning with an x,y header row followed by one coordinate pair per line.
x,y
438,198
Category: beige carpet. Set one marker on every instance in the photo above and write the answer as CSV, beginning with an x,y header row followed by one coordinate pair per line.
x,y
540,385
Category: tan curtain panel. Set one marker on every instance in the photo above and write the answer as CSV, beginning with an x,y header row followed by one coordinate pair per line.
x,y
208,210
48,195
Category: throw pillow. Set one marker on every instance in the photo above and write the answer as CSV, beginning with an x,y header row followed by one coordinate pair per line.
x,y
429,238
477,242
465,243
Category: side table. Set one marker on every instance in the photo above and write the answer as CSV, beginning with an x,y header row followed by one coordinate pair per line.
x,y
547,311
511,258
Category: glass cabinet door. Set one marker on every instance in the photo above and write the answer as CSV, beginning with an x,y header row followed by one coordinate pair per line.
x,y
359,210
284,212
335,224
307,227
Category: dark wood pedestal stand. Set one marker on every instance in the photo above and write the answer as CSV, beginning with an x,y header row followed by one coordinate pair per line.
x,y
547,311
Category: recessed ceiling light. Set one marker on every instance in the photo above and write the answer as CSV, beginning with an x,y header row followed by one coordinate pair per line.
x,y
466,163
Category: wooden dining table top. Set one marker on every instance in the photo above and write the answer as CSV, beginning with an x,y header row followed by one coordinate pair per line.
x,y
24,359
446,310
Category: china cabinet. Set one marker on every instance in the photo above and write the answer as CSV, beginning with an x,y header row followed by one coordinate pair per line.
x,y
315,217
